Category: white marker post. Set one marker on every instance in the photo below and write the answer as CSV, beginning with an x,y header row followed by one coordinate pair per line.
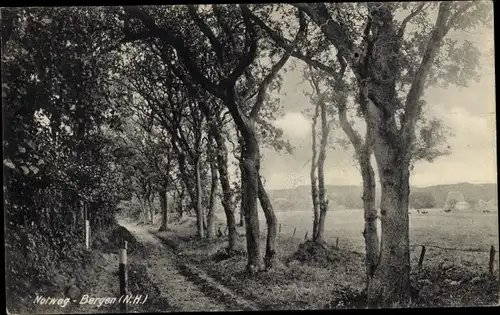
x,y
87,234
123,277
87,226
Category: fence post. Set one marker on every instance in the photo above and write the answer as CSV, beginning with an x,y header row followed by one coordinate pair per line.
x,y
305,236
422,255
294,230
279,231
225,230
337,242
492,258
87,224
123,278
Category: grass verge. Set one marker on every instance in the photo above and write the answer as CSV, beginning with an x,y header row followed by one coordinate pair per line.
x,y
301,282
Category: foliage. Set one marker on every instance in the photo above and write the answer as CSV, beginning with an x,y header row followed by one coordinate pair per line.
x,y
55,95
422,200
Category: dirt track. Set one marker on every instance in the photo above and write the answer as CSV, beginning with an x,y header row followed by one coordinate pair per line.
x,y
184,287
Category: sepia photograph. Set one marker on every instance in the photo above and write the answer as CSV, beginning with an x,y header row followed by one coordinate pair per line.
x,y
249,157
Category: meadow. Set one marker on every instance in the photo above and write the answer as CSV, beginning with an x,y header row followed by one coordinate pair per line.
x,y
455,274
460,238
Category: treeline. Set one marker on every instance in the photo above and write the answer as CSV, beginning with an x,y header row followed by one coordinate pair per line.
x,y
56,101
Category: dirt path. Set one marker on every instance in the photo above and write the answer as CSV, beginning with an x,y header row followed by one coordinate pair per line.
x,y
182,294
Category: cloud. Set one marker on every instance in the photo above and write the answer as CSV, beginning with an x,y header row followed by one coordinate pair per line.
x,y
294,125
473,146
469,112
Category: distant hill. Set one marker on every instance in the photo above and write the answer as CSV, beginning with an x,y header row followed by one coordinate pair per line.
x,y
349,197
472,192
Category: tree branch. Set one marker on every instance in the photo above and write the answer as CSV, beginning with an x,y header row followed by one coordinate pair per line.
x,y
250,46
168,35
407,19
458,14
278,39
352,134
332,29
227,30
216,45
412,100
275,69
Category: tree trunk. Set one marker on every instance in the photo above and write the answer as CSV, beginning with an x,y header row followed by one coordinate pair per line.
x,y
198,205
226,189
250,185
143,212
323,203
186,176
242,218
211,206
271,222
164,209
151,208
180,207
314,183
390,285
363,151
370,214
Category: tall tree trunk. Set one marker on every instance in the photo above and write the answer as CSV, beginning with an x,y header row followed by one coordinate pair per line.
x,y
370,215
242,218
211,205
250,185
143,210
323,203
205,204
186,176
198,205
390,285
314,183
363,151
181,206
391,281
151,208
226,188
226,198
164,209
271,222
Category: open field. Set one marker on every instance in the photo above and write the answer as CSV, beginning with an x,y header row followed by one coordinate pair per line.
x,y
467,231
337,283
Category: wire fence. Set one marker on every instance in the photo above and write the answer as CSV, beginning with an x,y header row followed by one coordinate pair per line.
x,y
479,259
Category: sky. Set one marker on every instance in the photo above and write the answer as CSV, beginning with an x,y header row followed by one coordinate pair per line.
x,y
468,112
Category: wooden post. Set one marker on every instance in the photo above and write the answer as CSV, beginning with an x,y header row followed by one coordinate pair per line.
x,y
305,236
87,234
337,242
421,258
87,224
294,230
492,259
279,231
123,277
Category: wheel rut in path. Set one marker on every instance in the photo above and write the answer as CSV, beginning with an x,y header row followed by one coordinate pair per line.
x,y
185,286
